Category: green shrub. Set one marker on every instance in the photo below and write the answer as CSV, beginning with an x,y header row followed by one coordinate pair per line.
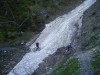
x,y
96,63
67,68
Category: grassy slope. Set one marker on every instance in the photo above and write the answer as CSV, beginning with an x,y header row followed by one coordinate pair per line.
x,y
96,63
67,68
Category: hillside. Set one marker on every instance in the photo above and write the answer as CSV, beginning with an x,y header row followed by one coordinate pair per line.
x,y
21,23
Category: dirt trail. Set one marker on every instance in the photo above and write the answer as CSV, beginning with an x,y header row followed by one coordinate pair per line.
x,y
84,59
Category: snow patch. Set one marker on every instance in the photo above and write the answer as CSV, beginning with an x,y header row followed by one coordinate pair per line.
x,y
56,34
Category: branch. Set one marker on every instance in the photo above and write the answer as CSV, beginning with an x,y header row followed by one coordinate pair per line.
x,y
9,22
10,9
23,22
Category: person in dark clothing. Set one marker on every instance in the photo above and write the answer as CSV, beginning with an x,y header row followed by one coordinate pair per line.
x,y
37,45
69,47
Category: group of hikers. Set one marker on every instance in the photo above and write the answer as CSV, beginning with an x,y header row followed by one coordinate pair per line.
x,y
68,48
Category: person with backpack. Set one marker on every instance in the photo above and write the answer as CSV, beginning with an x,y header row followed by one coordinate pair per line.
x,y
69,48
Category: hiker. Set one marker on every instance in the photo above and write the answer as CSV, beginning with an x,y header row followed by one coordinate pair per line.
x,y
37,45
69,47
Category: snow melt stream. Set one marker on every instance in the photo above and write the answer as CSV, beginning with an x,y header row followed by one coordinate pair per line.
x,y
56,34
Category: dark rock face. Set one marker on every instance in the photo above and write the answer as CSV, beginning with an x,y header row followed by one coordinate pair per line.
x,y
9,56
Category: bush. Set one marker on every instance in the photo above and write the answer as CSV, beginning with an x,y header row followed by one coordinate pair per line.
x,y
96,63
67,68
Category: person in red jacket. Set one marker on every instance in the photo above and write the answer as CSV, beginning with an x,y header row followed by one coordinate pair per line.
x,y
37,45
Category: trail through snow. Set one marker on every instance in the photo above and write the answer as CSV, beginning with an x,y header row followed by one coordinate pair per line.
x,y
56,34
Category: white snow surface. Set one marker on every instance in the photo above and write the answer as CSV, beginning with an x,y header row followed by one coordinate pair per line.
x,y
56,34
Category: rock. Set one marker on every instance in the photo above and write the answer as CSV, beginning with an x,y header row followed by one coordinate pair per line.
x,y
94,13
33,14
5,51
22,43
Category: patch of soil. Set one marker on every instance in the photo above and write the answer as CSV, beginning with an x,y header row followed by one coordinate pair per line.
x,y
10,58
